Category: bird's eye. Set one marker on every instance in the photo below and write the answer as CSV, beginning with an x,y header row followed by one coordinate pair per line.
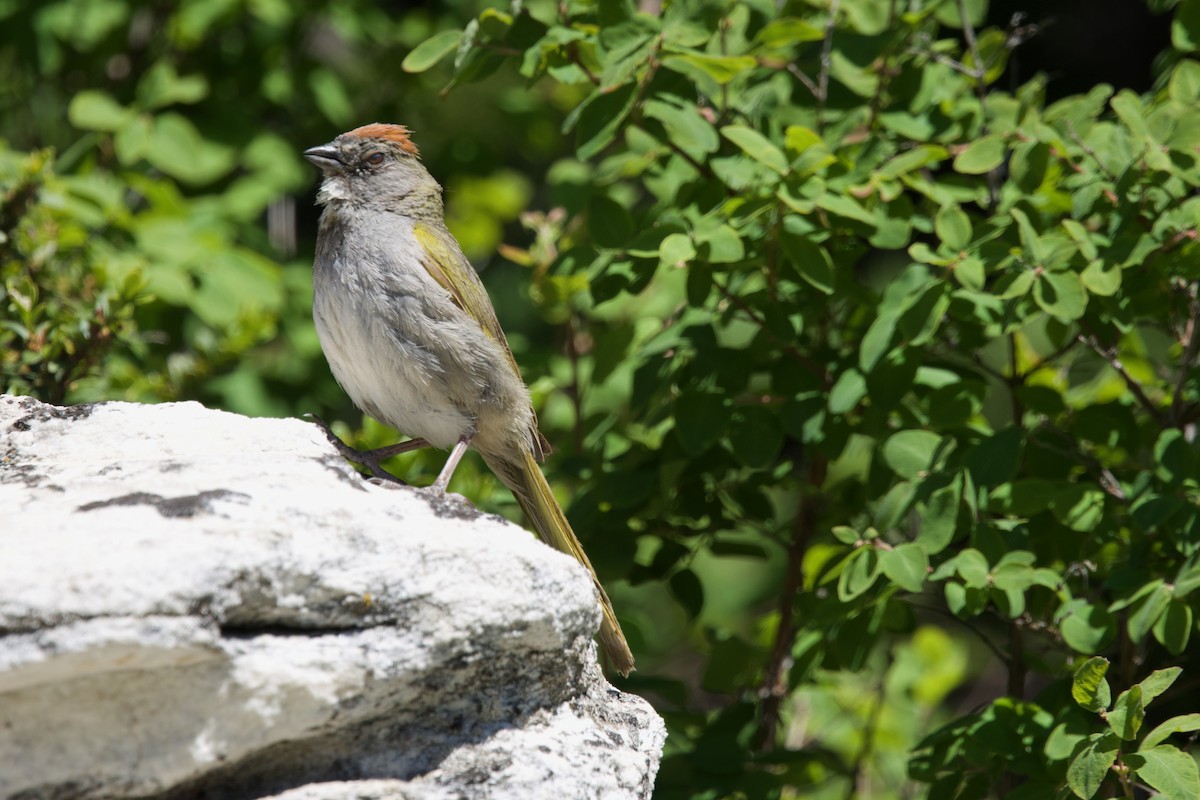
x,y
375,159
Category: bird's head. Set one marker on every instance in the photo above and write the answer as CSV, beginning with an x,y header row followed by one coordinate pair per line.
x,y
376,164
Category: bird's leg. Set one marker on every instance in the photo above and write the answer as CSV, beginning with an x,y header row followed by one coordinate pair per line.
x,y
369,458
460,447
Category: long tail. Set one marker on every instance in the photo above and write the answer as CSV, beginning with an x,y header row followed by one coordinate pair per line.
x,y
524,477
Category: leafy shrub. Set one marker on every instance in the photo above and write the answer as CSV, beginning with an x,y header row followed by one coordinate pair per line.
x,y
875,380
833,294
175,131
62,308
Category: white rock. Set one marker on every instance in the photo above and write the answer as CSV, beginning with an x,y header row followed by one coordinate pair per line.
x,y
198,604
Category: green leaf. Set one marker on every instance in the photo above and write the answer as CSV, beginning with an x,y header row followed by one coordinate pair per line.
x,y
724,244
868,17
953,227
859,573
965,602
755,436
132,140
757,146
940,520
1061,295
995,460
93,110
1080,508
1147,612
894,504
1010,603
700,420
850,387
431,51
1184,86
980,156
599,118
162,86
1062,741
906,566
1174,456
1126,716
910,453
676,250
330,95
1158,682
969,272
1028,165
809,259
876,341
1031,242
1013,577
921,321
1174,628
1185,723
1089,688
178,149
1025,497
788,31
1168,769
684,127
845,206
973,567
846,535
1091,765
1101,277
911,160
1082,237
722,69
1087,628
993,48
688,590
609,222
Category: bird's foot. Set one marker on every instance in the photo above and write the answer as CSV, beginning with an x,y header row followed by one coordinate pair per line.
x,y
369,458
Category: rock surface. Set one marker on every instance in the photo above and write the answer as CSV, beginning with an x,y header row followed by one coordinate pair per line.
x,y
195,604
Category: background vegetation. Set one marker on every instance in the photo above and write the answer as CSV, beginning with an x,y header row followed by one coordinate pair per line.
x,y
869,351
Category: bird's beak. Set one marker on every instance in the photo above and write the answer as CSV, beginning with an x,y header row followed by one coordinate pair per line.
x,y
326,157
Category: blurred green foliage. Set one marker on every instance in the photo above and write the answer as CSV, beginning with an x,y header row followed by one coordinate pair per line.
x,y
176,132
873,382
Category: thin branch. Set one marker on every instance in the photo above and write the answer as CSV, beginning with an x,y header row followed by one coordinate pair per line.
x,y
993,176
1042,362
1014,381
1100,473
1016,661
1191,348
807,81
1089,151
942,59
1122,772
858,787
573,52
700,167
1134,387
775,687
826,66
967,625
973,48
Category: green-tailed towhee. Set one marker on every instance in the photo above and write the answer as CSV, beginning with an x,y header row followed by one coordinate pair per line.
x,y
410,333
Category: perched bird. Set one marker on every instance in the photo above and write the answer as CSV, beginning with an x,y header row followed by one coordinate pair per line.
x,y
410,334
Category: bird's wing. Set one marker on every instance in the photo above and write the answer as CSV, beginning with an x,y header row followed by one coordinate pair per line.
x,y
448,266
